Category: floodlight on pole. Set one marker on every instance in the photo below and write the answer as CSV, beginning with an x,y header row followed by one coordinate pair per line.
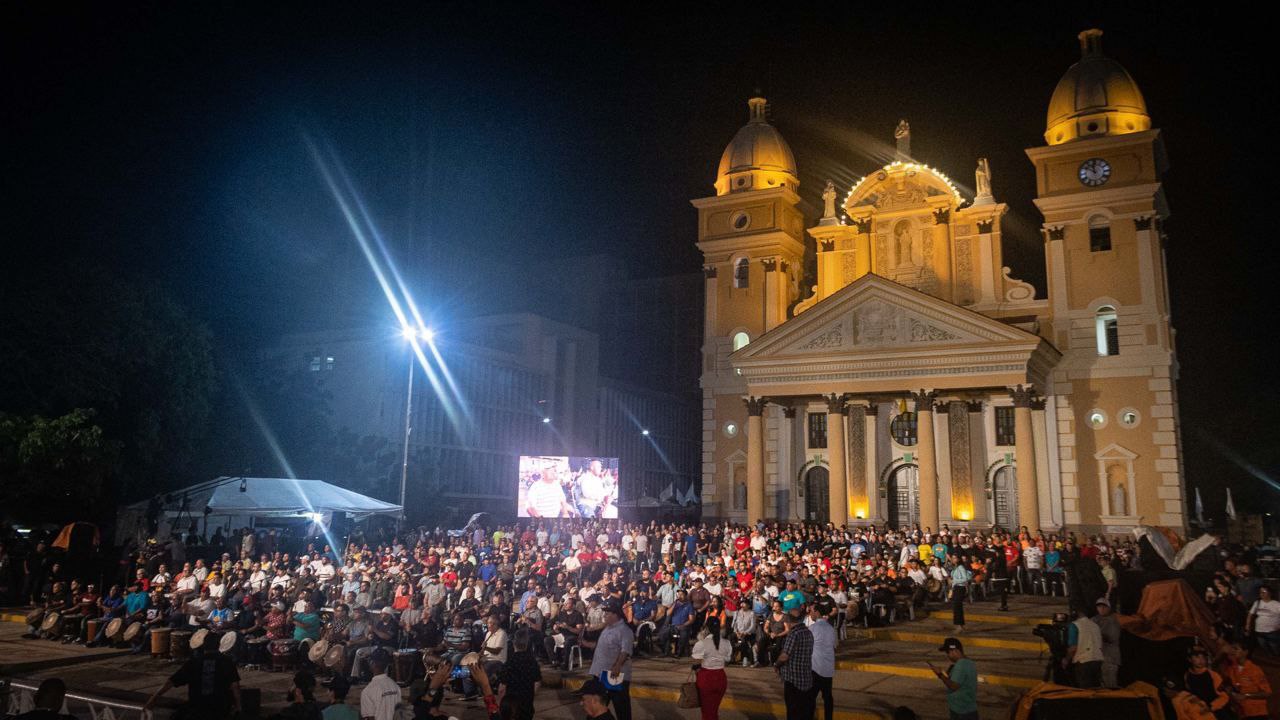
x,y
645,432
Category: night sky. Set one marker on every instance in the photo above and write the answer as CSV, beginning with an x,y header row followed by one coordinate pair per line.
x,y
171,144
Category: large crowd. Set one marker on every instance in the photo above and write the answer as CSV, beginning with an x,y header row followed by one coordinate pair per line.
x,y
490,612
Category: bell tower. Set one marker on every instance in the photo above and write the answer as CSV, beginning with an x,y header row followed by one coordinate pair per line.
x,y
751,234
1099,189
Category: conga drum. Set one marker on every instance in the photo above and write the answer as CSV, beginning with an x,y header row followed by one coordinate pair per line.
x,y
933,586
227,642
336,658
257,650
403,664
317,651
52,623
198,639
91,629
212,641
160,642
131,633
115,630
180,644
551,678
284,654
35,617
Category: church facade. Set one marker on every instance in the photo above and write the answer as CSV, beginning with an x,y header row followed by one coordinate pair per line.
x,y
914,380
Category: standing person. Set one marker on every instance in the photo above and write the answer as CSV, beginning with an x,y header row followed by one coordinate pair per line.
x,y
302,703
612,658
379,698
1263,621
213,686
1206,684
824,656
711,653
960,578
961,680
795,667
520,680
1084,653
1248,686
338,709
1109,627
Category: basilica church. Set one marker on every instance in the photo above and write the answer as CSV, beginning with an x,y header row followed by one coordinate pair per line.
x,y
913,379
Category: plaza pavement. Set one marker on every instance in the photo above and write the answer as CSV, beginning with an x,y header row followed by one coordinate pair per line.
x,y
877,670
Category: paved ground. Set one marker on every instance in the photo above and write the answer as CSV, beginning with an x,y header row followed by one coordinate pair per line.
x,y
877,671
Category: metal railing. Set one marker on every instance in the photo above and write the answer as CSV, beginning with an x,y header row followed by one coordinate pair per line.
x,y
22,696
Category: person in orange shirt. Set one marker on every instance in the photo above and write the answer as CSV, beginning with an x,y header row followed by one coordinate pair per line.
x,y
1204,683
1247,684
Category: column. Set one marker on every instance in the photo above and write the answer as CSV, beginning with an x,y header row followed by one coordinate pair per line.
x,y
873,479
786,465
1024,458
755,459
961,461
838,501
855,462
928,460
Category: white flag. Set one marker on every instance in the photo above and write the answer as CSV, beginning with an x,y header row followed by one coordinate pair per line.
x,y
1231,507
1199,508
666,494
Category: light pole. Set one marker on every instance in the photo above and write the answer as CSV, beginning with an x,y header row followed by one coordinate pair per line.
x,y
412,336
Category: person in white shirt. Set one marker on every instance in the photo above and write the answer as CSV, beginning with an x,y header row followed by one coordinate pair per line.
x,y
544,498
712,653
201,572
713,586
541,535
1264,620
824,654
1033,560
493,651
380,697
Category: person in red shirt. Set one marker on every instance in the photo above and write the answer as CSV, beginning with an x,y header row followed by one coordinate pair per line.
x,y
1247,684
741,544
1013,563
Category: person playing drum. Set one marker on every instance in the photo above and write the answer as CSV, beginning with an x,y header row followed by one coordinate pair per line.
x,y
55,600
110,607
154,616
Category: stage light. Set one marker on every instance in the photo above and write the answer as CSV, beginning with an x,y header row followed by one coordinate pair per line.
x,y
546,420
427,334
644,433
409,333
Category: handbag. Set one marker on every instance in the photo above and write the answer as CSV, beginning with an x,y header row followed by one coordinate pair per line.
x,y
689,694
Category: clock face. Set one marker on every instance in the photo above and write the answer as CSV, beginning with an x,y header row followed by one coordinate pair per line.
x,y
1094,172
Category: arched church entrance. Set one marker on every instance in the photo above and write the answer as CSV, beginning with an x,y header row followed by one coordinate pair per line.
x,y
904,496
1004,497
817,492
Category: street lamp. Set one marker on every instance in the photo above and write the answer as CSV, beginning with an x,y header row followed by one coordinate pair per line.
x,y
412,335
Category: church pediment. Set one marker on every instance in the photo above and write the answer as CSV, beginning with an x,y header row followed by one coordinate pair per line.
x,y
873,314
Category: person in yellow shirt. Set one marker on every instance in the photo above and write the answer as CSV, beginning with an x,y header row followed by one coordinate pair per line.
x,y
926,551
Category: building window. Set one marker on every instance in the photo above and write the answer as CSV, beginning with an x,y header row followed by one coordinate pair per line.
x,y
730,430
1097,419
1107,327
1005,426
1129,418
328,363
817,430
903,429
740,341
741,220
742,273
316,364
1099,234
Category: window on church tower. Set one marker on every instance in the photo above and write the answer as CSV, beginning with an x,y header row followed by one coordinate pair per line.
x,y
817,430
740,340
741,273
1107,328
904,429
1099,235
1005,426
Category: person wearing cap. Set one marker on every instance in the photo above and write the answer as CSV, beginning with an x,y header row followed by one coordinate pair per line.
x,y
795,666
1109,626
961,680
1201,681
213,686
824,654
595,700
612,658
1084,653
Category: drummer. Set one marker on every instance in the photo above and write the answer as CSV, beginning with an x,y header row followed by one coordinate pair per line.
x,y
86,609
336,630
198,610
54,600
306,624
221,616
110,607
277,623
154,616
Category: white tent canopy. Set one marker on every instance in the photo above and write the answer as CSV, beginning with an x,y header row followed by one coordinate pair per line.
x,y
284,496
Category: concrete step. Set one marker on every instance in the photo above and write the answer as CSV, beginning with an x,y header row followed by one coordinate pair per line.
x,y
916,634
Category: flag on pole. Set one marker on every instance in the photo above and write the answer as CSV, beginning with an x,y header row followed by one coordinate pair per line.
x,y
1199,508
666,494
1231,507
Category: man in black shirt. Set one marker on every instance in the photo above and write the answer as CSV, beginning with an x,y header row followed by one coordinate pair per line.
x,y
519,678
569,623
595,700
213,687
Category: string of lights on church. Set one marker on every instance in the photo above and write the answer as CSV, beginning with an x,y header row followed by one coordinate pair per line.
x,y
913,379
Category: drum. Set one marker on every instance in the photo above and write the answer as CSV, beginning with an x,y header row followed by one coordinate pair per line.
x,y
91,629
551,678
34,617
284,654
933,586
257,650
227,642
403,664
133,632
51,623
200,637
160,642
336,658
430,663
180,644
317,651
115,629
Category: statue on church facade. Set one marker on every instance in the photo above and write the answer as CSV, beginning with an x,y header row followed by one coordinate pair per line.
x,y
982,183
829,201
902,134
